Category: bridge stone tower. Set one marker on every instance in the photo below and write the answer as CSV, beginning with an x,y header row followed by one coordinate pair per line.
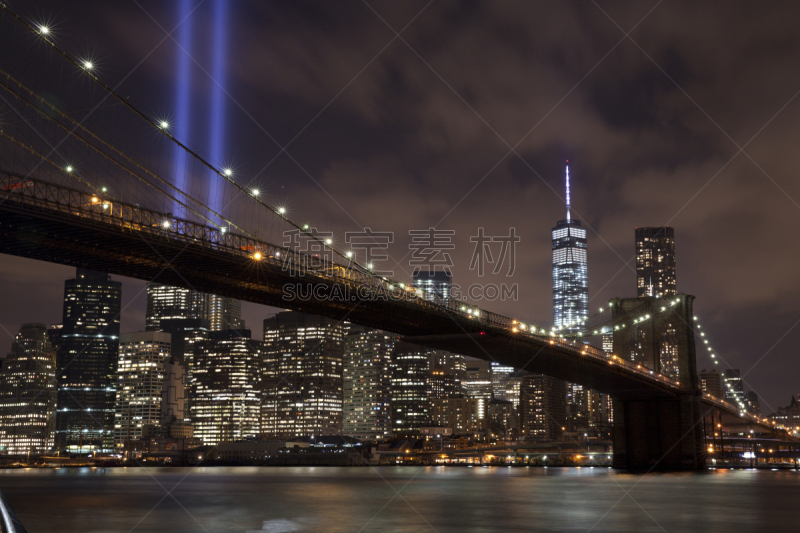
x,y
661,430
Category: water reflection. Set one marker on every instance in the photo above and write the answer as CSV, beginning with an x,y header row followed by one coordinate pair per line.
x,y
445,499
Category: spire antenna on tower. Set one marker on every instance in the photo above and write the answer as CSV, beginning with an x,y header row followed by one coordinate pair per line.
x,y
568,219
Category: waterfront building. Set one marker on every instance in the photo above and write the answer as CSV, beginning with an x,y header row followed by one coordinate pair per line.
x,y
461,414
368,383
655,262
410,401
87,363
140,377
303,375
504,419
542,408
28,393
226,387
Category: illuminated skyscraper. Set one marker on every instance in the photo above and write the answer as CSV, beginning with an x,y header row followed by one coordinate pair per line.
x,y
655,262
28,393
140,375
410,402
226,387
570,272
433,286
87,362
368,383
171,303
570,309
302,372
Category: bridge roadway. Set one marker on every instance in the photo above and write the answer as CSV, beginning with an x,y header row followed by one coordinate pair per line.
x,y
57,224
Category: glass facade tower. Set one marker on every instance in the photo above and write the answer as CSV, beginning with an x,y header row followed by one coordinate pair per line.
x,y
87,363
570,272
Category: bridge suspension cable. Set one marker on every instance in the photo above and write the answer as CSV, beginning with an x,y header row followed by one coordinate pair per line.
x,y
54,110
86,68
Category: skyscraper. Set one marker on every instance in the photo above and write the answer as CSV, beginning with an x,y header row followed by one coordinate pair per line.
x,y
226,387
711,382
170,303
655,262
570,310
140,376
570,272
28,393
542,408
185,333
303,367
368,383
433,286
734,388
447,372
87,362
410,402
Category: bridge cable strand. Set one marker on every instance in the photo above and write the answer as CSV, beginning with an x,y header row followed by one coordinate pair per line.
x,y
116,150
153,123
611,322
33,151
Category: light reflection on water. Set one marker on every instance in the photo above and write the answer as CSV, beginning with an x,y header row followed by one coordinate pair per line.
x,y
444,499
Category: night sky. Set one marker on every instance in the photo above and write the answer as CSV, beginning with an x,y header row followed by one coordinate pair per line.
x,y
465,120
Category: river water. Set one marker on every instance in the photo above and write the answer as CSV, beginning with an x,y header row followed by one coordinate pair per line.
x,y
400,499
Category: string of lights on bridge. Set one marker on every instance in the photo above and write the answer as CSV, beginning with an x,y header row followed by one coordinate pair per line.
x,y
89,67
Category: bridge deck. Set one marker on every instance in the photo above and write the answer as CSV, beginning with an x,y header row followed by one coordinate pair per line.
x,y
49,222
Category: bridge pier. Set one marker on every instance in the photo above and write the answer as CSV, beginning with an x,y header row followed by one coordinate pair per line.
x,y
659,433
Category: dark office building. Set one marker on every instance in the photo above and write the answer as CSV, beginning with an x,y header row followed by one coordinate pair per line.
x,y
87,363
711,382
655,262
542,408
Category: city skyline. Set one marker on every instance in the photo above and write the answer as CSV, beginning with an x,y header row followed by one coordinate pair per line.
x,y
727,311
462,265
